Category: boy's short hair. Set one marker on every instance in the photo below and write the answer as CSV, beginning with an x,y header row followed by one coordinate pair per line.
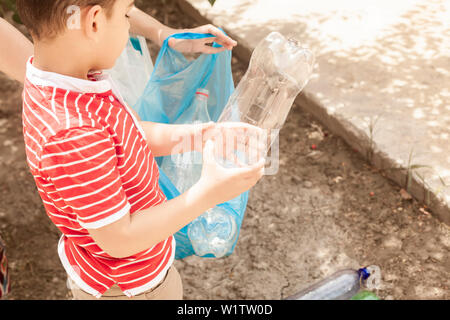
x,y
47,18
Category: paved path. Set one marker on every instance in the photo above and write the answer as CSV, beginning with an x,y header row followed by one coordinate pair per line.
x,y
382,78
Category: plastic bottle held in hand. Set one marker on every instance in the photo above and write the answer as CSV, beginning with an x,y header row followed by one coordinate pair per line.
x,y
279,69
342,285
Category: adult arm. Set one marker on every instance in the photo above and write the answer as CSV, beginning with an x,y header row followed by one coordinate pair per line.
x,y
150,28
15,49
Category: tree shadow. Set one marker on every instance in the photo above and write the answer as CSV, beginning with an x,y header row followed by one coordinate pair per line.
x,y
388,61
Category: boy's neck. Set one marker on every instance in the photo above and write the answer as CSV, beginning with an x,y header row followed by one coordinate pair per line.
x,y
62,57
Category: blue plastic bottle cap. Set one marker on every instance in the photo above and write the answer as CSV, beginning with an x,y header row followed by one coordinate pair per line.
x,y
364,273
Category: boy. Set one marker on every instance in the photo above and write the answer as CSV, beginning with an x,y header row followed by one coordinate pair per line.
x,y
93,162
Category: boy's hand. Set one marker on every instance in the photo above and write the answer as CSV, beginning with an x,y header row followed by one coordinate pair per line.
x,y
221,184
230,137
200,45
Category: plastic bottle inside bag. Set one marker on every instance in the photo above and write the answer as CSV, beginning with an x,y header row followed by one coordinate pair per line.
x,y
215,231
342,285
184,169
279,69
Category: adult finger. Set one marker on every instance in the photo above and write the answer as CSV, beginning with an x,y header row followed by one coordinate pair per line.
x,y
226,40
204,41
209,50
211,40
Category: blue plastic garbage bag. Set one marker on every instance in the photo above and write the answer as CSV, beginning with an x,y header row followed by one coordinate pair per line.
x,y
170,91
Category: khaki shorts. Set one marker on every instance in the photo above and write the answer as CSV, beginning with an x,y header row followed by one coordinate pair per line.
x,y
170,288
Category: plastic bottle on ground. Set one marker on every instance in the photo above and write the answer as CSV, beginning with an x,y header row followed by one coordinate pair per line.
x,y
342,285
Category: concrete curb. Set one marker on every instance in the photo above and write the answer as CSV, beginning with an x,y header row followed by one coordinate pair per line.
x,y
355,137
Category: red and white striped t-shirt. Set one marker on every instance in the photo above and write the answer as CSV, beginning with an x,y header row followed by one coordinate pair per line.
x,y
92,165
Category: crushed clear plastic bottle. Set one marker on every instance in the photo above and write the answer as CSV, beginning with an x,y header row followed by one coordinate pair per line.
x,y
342,285
215,231
279,70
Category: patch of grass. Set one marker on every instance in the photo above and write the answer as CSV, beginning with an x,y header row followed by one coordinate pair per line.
x,y
411,170
371,126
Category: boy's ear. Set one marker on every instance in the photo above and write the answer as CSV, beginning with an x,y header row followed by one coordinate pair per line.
x,y
94,18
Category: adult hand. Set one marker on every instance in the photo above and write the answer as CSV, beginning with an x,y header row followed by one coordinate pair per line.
x,y
201,45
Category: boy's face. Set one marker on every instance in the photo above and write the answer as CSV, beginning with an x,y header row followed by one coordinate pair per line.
x,y
113,35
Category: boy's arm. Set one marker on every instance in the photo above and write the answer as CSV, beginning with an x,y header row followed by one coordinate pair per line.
x,y
142,230
15,49
81,163
135,233
166,139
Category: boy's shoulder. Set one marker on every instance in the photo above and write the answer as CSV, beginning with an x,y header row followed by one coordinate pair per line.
x,y
56,124
53,110
58,102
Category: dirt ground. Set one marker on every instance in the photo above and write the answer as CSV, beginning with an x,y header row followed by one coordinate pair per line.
x,y
325,210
